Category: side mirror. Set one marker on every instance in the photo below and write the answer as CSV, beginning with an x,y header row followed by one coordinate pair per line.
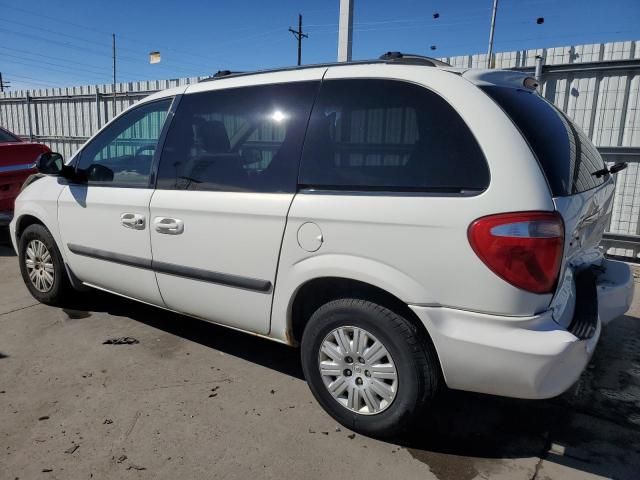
x,y
50,163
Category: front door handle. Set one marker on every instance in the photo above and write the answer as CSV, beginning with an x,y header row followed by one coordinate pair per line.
x,y
170,226
133,220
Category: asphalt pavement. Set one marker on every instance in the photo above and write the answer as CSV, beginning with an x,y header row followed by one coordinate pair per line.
x,y
181,398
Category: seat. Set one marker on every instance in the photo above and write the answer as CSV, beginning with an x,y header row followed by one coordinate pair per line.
x,y
213,165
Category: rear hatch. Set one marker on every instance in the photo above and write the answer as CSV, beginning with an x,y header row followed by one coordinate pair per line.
x,y
582,196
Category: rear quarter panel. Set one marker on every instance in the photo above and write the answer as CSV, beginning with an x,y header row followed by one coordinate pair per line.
x,y
416,247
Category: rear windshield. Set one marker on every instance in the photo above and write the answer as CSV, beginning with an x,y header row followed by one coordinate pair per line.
x,y
566,155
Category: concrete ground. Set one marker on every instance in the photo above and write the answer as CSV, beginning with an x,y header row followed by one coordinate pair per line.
x,y
192,400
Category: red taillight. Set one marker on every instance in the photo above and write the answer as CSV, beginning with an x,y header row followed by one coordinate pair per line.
x,y
525,248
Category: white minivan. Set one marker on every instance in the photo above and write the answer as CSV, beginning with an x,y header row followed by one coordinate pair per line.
x,y
407,224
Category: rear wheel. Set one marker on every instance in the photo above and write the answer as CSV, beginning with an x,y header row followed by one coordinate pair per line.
x,y
370,368
41,265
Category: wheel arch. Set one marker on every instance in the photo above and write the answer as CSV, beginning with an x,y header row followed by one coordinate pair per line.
x,y
317,291
25,221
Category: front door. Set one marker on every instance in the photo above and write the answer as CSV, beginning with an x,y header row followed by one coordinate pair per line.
x,y
228,174
104,222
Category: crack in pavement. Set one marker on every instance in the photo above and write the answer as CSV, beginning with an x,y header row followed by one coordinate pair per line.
x,y
18,309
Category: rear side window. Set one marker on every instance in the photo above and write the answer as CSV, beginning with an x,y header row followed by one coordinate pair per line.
x,y
245,139
566,155
389,135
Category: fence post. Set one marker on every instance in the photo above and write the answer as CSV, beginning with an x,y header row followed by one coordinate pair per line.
x,y
97,109
28,104
538,71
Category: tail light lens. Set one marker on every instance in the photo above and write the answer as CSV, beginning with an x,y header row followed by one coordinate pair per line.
x,y
525,249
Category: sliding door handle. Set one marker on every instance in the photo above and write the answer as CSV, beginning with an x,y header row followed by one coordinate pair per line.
x,y
169,226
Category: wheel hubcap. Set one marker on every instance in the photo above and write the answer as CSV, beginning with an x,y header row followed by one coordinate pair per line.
x,y
39,266
358,370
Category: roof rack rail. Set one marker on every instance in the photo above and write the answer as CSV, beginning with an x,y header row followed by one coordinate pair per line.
x,y
413,59
389,57
220,74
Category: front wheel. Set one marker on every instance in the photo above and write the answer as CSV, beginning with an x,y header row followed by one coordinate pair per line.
x,y
41,265
370,368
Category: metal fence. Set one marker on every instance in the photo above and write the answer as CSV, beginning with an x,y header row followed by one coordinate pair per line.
x,y
597,85
64,118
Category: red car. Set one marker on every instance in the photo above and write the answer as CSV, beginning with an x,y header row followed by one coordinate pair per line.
x,y
17,159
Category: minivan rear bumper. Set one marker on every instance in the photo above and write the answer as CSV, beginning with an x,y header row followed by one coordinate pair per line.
x,y
522,357
530,357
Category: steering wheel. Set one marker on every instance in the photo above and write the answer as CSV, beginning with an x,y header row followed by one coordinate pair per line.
x,y
143,148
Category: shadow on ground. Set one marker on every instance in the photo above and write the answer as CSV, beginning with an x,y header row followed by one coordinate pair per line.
x,y
595,424
6,249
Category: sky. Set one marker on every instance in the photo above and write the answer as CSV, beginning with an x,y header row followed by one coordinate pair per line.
x,y
68,42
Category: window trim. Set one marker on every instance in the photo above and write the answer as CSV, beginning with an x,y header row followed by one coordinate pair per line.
x,y
154,161
307,188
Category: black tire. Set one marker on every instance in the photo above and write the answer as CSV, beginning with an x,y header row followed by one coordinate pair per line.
x,y
415,359
61,286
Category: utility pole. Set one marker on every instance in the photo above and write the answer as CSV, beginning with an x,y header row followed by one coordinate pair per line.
x,y
491,32
345,30
299,36
3,84
113,48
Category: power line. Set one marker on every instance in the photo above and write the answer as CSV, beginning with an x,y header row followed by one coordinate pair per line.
x,y
100,68
68,45
85,49
137,41
34,81
299,36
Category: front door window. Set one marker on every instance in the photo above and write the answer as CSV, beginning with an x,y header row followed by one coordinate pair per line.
x,y
122,154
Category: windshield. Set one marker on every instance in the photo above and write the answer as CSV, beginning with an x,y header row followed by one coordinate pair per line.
x,y
6,137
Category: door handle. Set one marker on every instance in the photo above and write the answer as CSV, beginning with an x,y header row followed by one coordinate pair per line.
x,y
170,226
133,220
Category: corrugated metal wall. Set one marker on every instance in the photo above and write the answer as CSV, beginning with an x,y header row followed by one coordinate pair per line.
x,y
605,103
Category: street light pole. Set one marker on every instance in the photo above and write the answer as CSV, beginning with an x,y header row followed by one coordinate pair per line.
x,y
113,48
491,32
345,31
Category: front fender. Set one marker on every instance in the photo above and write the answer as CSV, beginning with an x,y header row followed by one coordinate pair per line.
x,y
39,200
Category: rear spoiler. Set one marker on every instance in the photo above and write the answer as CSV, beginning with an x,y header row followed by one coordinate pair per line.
x,y
501,78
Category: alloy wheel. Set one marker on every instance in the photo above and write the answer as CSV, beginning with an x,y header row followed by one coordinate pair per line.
x,y
39,265
357,370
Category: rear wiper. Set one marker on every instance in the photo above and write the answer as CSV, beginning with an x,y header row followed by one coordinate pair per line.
x,y
614,169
